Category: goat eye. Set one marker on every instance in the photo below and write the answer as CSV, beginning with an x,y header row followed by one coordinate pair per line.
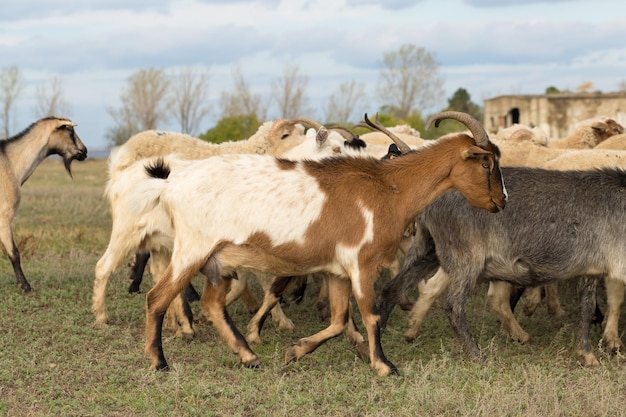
x,y
486,165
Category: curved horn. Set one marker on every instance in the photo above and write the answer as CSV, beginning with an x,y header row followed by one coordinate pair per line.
x,y
403,147
345,132
304,121
279,127
473,125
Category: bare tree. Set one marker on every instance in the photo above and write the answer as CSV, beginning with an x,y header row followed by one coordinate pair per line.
x,y
10,89
125,125
289,93
190,91
409,80
342,103
50,100
242,102
144,105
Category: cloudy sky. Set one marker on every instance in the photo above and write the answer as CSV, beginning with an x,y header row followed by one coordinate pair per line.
x,y
489,47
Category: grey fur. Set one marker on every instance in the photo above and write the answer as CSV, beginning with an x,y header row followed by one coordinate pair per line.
x,y
557,225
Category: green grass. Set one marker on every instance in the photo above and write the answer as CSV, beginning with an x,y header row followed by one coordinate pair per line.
x,y
55,361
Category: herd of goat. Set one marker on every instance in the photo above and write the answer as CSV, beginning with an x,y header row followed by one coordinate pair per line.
x,y
516,209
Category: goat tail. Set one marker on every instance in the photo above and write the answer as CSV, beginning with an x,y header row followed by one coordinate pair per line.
x,y
147,185
158,169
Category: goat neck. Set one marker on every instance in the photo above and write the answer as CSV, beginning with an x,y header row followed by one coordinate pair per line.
x,y
452,163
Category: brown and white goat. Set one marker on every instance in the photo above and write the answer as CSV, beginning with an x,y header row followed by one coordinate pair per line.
x,y
153,236
344,215
19,156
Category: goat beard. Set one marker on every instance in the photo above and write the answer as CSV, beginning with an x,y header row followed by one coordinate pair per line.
x,y
67,162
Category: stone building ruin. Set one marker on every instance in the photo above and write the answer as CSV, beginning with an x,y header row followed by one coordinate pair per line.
x,y
555,114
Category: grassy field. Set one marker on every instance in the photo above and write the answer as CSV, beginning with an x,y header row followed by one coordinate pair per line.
x,y
55,361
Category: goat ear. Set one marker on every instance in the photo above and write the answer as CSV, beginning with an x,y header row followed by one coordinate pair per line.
x,y
474,152
321,137
63,123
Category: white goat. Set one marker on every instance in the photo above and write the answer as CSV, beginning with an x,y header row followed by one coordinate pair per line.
x,y
19,156
344,215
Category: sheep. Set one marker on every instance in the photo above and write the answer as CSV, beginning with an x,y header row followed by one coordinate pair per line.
x,y
521,133
584,159
557,225
271,137
344,215
586,135
124,235
19,156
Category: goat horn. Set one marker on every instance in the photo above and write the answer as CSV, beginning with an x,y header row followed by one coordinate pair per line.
x,y
345,132
278,128
473,125
403,147
304,121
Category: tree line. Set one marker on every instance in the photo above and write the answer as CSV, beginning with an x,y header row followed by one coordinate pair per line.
x,y
409,82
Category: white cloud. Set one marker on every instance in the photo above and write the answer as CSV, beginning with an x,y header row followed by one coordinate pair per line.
x,y
487,47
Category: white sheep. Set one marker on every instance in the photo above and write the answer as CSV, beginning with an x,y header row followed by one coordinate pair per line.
x,y
521,133
588,134
585,135
273,137
344,215
587,159
19,156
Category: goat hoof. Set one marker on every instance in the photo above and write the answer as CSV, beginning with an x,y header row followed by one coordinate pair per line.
x,y
362,350
587,359
410,335
613,346
387,369
406,305
25,287
252,364
254,339
161,367
286,325
185,336
133,288
290,354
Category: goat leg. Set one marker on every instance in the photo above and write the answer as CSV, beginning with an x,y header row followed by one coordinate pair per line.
x,y
14,257
614,299
136,271
416,268
455,307
587,295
